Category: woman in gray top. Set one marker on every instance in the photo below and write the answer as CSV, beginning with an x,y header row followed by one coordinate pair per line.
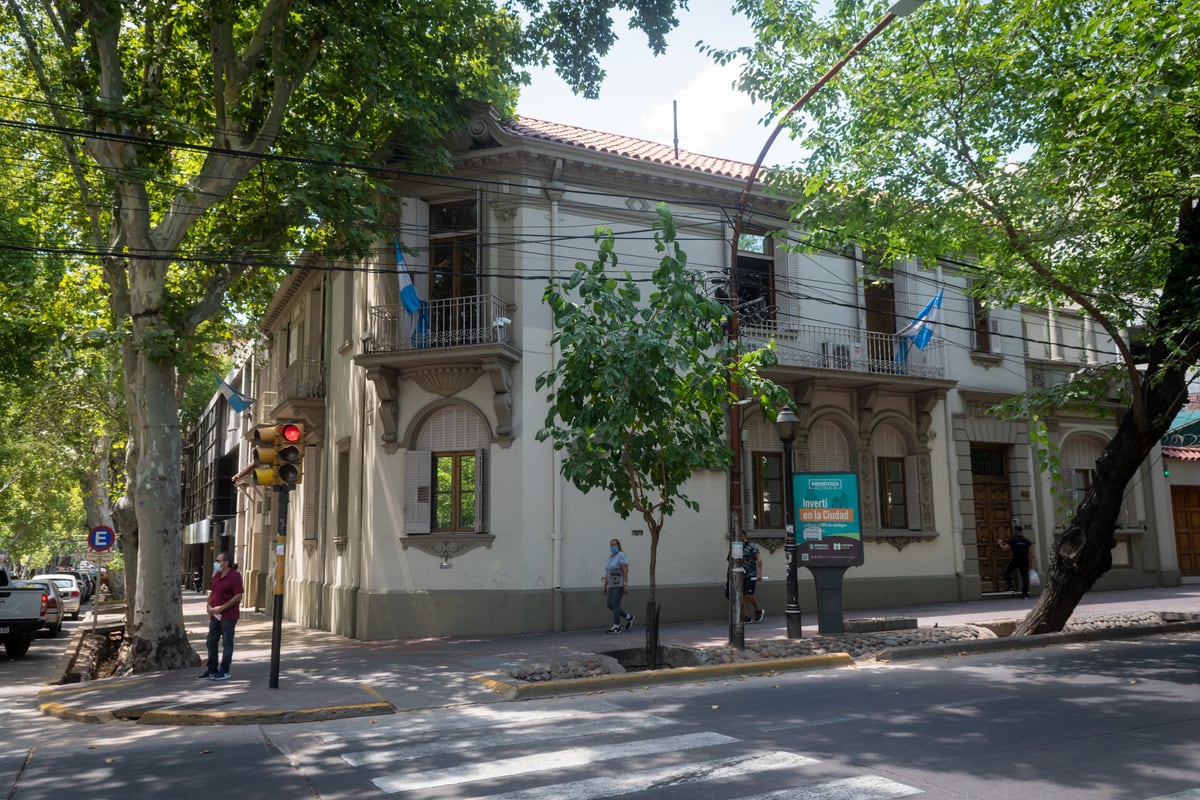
x,y
616,586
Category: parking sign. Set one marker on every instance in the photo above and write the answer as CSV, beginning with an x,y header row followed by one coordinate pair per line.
x,y
101,538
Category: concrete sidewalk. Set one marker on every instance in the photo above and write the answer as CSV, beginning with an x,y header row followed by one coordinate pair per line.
x,y
323,676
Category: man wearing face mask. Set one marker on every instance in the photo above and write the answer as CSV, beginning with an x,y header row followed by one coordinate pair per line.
x,y
223,602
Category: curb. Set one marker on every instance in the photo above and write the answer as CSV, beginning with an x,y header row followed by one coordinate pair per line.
x,y
74,714
277,717
160,716
58,673
523,690
1001,644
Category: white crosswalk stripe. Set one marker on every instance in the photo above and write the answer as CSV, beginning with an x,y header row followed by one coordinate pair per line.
x,y
504,735
559,759
678,775
1190,794
472,717
866,787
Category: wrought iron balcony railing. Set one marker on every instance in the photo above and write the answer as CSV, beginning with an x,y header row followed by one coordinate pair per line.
x,y
850,350
301,380
456,322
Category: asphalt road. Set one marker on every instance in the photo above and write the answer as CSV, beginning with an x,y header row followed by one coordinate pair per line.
x,y
1102,721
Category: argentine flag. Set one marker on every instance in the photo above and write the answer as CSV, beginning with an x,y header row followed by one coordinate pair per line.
x,y
920,330
410,300
237,401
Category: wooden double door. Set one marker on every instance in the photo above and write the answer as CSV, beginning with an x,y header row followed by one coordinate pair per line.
x,y
993,513
1185,508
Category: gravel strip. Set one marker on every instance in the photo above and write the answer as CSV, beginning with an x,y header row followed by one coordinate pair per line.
x,y
860,646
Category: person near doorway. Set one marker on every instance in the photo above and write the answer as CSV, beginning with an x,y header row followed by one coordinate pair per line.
x,y
1018,547
224,599
616,586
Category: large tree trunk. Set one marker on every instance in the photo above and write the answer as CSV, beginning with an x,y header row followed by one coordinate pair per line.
x,y
1084,552
157,639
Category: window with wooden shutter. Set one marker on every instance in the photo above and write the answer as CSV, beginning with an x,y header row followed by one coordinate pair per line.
x,y
446,475
828,450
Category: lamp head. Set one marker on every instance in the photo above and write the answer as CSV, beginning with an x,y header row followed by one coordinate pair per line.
x,y
788,423
902,8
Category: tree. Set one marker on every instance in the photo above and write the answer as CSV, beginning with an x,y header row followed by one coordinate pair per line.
x,y
200,140
1053,146
637,399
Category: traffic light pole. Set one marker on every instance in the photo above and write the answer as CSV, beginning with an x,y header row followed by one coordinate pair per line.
x,y
277,612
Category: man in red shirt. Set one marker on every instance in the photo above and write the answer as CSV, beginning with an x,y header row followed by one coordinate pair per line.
x,y
223,602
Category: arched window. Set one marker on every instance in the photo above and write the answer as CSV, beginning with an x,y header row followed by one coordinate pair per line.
x,y
827,448
446,474
899,508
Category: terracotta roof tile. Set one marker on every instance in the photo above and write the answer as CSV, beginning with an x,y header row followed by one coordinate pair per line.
x,y
1182,453
627,147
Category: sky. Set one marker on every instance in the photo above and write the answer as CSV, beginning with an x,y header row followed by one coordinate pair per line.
x,y
635,98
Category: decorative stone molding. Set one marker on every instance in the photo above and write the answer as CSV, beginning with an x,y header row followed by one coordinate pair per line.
x,y
445,381
447,545
866,469
924,404
501,374
504,212
769,542
386,383
866,399
901,539
986,360
480,130
925,487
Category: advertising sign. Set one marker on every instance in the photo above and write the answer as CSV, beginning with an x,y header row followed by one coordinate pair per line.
x,y
828,525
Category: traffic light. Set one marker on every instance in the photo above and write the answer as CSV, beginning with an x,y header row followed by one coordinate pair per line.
x,y
278,454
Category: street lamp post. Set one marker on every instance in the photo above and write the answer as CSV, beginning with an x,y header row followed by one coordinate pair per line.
x,y
788,423
901,8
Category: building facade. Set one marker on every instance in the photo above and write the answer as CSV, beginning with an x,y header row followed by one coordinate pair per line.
x,y
428,506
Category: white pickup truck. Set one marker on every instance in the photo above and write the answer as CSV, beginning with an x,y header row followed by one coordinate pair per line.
x,y
22,614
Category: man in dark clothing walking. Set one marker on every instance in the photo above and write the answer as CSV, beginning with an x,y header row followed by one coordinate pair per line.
x,y
1018,547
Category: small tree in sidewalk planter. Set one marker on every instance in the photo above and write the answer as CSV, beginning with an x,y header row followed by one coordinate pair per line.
x,y
637,399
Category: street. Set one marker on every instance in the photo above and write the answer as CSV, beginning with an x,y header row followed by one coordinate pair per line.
x,y
1103,721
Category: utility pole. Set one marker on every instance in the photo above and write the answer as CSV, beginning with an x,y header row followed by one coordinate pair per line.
x,y
901,8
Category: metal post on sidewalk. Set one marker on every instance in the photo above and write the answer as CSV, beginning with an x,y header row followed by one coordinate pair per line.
x,y
737,572
277,611
788,423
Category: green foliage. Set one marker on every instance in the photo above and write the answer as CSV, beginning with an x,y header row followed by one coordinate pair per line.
x,y
1051,149
1051,144
637,399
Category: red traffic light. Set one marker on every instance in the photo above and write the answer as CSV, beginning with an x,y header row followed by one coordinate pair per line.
x,y
291,432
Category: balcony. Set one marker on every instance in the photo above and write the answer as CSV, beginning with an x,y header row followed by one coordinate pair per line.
x,y
855,354
444,348
299,393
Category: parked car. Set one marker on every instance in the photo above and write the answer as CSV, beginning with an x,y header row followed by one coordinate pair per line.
x,y
22,614
86,587
53,600
68,588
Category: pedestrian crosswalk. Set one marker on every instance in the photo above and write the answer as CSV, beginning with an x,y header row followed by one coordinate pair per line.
x,y
580,750
585,751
